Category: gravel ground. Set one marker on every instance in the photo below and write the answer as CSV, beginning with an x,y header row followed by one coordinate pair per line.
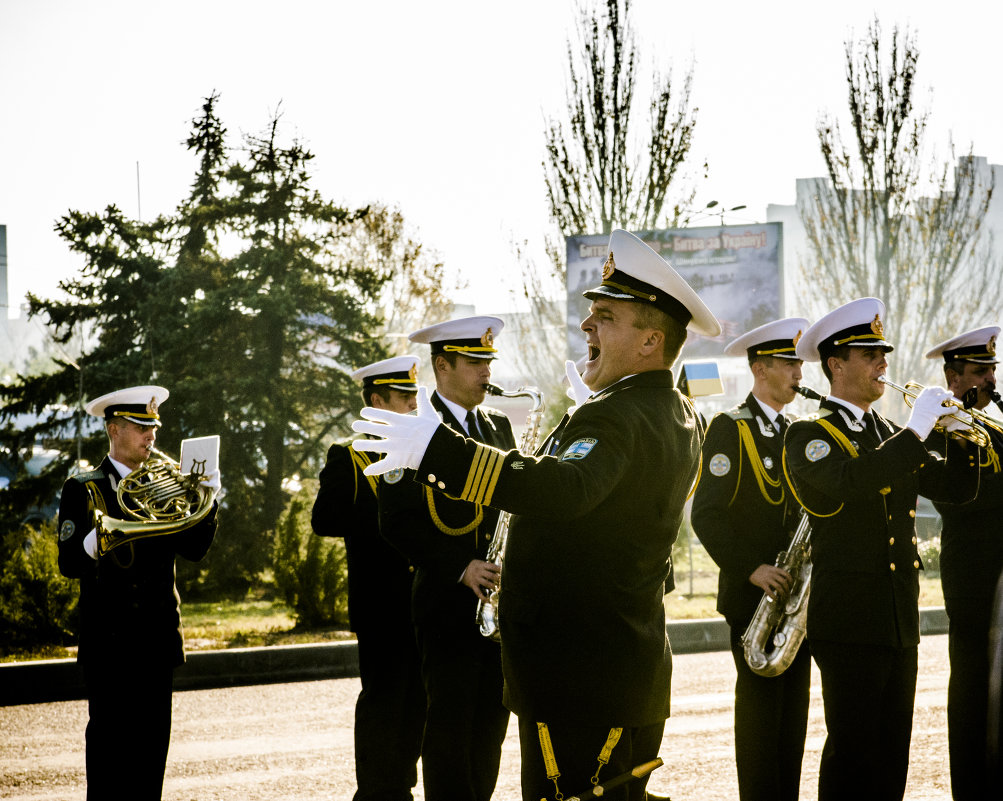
x,y
294,741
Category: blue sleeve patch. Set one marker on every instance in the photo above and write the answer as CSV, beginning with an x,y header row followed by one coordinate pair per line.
x,y
579,449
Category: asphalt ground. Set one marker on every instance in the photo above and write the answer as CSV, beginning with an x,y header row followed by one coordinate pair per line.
x,y
279,742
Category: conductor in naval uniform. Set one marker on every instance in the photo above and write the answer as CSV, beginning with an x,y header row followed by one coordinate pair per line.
x,y
586,659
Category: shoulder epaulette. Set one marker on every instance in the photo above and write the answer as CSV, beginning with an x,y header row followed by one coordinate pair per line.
x,y
739,413
821,414
90,475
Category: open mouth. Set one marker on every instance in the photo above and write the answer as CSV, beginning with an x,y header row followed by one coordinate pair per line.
x,y
593,352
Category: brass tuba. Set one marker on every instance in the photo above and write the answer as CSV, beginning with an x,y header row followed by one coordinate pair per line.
x,y
158,498
487,611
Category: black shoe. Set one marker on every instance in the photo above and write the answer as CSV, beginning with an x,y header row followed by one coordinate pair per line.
x,y
656,797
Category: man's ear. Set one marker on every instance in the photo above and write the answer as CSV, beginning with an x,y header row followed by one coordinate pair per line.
x,y
835,364
376,401
654,340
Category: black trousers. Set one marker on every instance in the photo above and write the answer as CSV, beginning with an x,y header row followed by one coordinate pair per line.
x,y
868,692
129,729
389,714
576,749
968,698
771,720
465,721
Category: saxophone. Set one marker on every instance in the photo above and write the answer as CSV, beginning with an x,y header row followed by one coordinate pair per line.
x,y
487,611
777,629
780,626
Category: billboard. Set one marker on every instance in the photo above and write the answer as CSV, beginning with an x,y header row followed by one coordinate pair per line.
x,y
737,270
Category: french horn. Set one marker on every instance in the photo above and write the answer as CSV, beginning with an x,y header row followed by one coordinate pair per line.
x,y
157,499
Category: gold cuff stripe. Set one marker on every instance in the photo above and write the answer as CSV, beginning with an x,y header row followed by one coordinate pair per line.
x,y
483,475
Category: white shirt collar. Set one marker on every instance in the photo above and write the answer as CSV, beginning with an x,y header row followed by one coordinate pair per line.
x,y
769,411
858,413
458,411
123,471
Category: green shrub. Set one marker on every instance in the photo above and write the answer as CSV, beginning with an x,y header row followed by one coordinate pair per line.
x,y
38,605
311,572
929,553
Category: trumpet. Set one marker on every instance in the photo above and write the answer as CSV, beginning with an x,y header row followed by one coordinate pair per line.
x,y
969,430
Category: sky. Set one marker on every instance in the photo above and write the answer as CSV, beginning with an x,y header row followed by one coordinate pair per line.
x,y
436,107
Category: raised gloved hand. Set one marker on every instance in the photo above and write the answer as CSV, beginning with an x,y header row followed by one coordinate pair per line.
x,y
577,390
927,409
403,438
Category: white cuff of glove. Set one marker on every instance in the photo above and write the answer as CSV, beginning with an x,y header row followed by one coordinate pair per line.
x,y
577,389
402,438
91,544
927,409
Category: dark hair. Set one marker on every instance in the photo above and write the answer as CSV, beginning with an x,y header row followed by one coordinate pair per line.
x,y
382,391
958,365
767,360
449,356
673,330
841,352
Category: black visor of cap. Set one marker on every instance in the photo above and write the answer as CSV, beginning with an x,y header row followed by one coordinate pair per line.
x,y
784,348
625,287
861,336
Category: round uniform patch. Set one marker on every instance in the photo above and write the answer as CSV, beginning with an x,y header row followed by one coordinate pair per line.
x,y
816,449
66,530
394,476
719,465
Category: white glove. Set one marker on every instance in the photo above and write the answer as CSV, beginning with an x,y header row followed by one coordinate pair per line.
x,y
577,390
927,409
403,437
91,544
962,423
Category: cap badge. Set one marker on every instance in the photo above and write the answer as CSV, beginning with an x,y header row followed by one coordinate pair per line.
x,y
488,339
797,336
991,346
876,327
413,372
152,406
609,267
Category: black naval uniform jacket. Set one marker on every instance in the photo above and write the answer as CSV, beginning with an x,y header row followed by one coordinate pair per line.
x,y
582,621
738,526
865,566
129,604
408,515
379,577
971,543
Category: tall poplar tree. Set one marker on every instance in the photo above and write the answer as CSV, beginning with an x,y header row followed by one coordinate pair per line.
x,y
887,222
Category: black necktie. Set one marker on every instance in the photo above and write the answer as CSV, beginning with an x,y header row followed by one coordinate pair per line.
x,y
781,424
472,431
872,425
